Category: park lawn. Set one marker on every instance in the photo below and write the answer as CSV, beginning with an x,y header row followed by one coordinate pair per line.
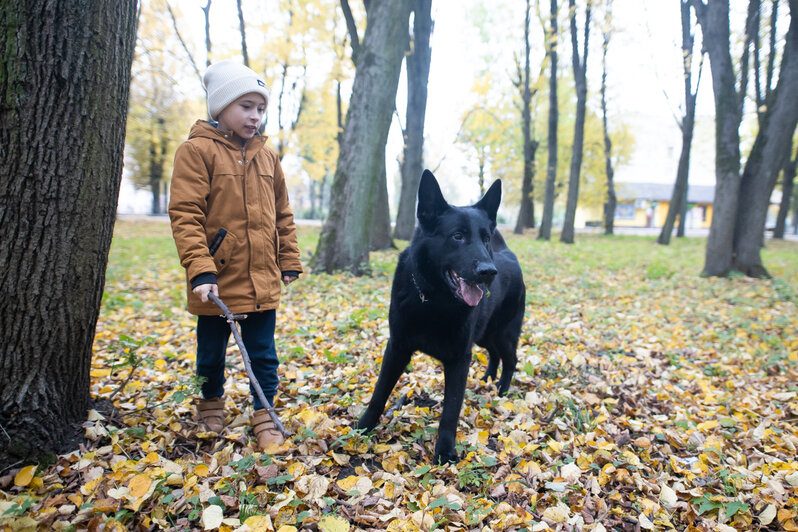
x,y
646,397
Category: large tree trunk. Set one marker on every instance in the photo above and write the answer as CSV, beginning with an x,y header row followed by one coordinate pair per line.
x,y
714,20
678,204
580,78
770,153
345,237
66,65
526,214
417,77
551,166
788,180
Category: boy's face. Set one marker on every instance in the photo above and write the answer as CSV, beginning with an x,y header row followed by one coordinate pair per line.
x,y
244,115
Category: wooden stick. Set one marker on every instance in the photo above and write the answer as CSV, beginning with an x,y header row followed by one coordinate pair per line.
x,y
248,365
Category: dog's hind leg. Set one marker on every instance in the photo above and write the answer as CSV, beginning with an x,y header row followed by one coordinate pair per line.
x,y
394,363
493,362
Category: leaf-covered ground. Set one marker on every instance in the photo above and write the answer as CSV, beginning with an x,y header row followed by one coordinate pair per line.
x,y
647,398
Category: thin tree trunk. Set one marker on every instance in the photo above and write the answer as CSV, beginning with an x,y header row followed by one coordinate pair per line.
x,y
580,78
551,165
418,63
526,214
243,28
678,204
787,184
345,238
609,206
381,228
769,155
207,11
64,63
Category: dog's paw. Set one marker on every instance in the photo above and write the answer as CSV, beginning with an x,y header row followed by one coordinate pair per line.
x,y
365,424
445,456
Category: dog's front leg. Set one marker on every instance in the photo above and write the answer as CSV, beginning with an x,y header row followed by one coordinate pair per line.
x,y
455,376
394,363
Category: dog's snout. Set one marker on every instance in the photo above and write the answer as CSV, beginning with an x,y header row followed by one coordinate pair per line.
x,y
486,271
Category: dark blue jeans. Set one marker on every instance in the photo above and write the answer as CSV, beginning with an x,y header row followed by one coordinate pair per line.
x,y
257,331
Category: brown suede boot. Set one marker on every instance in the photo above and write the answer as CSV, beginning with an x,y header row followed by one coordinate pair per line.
x,y
211,412
266,433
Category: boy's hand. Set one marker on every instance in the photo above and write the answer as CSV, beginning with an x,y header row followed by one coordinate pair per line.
x,y
288,279
203,290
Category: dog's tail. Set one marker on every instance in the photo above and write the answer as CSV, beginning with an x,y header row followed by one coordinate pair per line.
x,y
497,241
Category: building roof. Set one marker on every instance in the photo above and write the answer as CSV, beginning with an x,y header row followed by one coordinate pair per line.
x,y
663,192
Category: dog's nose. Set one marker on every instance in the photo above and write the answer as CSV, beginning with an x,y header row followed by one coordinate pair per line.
x,y
486,271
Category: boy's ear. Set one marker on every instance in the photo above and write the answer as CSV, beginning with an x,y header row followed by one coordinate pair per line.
x,y
431,203
490,201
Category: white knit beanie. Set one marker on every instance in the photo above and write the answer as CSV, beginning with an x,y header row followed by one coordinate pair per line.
x,y
226,81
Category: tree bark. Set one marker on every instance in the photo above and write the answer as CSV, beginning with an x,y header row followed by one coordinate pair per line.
x,y
526,214
66,63
580,79
551,165
418,63
345,237
714,20
678,204
769,155
787,184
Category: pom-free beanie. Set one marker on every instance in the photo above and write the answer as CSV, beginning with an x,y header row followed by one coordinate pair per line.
x,y
226,81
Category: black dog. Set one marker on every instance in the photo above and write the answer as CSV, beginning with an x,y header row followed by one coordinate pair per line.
x,y
455,285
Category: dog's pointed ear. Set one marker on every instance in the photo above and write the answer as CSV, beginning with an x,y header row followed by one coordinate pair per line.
x,y
431,203
490,201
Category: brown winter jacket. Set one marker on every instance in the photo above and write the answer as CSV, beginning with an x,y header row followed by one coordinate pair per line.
x,y
230,217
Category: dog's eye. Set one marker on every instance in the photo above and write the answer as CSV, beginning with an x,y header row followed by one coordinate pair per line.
x,y
459,237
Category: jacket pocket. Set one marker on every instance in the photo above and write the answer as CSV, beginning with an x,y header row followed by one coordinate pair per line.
x,y
221,248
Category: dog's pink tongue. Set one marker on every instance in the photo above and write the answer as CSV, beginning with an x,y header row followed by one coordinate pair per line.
x,y
472,293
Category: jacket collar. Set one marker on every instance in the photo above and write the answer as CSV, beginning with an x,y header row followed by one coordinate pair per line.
x,y
204,129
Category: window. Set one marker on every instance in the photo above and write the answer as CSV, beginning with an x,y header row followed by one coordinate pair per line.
x,y
625,211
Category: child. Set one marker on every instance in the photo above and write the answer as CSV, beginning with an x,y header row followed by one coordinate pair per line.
x,y
235,235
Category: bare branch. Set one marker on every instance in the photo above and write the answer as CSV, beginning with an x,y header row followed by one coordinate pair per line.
x,y
183,43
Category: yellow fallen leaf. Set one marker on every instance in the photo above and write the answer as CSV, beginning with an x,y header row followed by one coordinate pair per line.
x,y
284,528
261,523
139,485
333,523
201,470
25,475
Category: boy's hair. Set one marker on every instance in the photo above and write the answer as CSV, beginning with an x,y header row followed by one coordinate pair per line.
x,y
226,81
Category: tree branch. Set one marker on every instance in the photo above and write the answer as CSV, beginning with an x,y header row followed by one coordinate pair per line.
x,y
351,27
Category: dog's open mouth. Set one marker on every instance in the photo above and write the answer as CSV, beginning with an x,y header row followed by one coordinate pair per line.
x,y
471,294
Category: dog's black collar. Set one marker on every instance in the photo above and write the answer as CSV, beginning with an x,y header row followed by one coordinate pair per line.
x,y
421,295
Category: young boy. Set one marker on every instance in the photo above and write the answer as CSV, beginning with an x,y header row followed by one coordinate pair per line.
x,y
235,235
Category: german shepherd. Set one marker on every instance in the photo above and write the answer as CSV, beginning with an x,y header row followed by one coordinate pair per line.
x,y
455,285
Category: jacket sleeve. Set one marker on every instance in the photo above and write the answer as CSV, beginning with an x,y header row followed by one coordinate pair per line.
x,y
288,255
188,207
